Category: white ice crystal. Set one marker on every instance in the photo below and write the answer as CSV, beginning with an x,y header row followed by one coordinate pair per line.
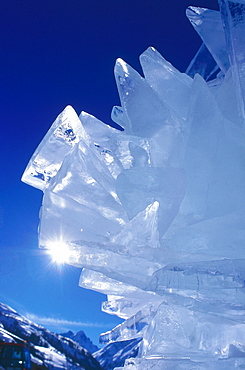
x,y
154,214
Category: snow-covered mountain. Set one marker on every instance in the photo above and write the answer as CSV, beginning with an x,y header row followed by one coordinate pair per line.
x,y
51,350
63,351
81,338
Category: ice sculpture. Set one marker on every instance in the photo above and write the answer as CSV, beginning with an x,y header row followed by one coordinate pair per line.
x,y
154,213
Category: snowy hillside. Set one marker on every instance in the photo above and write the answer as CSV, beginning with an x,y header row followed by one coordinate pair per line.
x,y
48,349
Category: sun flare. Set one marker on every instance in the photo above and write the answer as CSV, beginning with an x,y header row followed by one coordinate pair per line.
x,y
59,251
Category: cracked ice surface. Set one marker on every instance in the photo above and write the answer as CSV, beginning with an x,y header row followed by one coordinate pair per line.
x,y
154,214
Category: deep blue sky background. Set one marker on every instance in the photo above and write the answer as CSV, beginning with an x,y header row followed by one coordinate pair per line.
x,y
55,53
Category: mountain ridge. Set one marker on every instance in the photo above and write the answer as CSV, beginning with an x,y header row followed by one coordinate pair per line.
x,y
81,338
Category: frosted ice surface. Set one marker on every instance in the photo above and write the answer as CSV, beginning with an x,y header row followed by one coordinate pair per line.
x,y
181,331
181,364
205,127
213,237
153,213
139,187
196,276
226,97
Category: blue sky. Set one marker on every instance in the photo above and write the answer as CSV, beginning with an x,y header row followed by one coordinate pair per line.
x,y
55,53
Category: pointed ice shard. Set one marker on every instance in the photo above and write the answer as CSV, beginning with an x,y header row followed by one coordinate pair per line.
x,y
65,132
208,25
144,112
171,86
